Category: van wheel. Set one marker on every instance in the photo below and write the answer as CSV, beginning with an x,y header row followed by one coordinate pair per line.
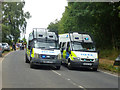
x,y
26,59
57,67
31,65
69,66
94,69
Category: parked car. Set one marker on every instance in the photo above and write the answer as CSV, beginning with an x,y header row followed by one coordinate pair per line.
x,y
117,61
6,46
0,50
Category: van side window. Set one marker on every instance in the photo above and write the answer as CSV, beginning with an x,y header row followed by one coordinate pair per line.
x,y
63,46
68,46
60,44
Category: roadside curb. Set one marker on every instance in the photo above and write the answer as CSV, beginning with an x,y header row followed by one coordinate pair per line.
x,y
108,72
2,58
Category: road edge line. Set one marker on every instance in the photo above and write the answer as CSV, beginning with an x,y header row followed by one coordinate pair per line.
x,y
108,73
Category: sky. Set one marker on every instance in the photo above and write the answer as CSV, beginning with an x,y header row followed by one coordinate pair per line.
x,y
43,12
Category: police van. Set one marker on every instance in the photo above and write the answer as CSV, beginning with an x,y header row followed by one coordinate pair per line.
x,y
78,50
43,48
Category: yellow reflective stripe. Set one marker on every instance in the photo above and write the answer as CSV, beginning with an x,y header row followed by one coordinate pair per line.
x,y
32,54
28,51
72,55
64,54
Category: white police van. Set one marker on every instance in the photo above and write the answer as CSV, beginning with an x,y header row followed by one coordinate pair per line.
x,y
43,48
78,50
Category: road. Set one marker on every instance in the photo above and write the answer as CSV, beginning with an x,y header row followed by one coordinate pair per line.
x,y
18,74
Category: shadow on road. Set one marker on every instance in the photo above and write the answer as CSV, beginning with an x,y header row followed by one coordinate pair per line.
x,y
37,67
63,67
80,69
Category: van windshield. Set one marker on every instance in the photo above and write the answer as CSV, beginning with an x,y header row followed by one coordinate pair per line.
x,y
83,46
46,45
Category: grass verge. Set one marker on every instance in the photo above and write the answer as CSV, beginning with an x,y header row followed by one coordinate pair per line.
x,y
108,65
107,58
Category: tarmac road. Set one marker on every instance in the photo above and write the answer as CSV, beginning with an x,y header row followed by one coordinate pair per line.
x,y
18,74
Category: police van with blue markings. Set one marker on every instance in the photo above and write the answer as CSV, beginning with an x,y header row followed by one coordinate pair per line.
x,y
78,50
43,48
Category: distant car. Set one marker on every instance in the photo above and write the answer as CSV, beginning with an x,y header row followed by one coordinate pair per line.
x,y
0,50
6,46
117,61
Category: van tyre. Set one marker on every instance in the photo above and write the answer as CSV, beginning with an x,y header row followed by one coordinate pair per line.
x,y
57,67
94,69
31,65
26,59
69,66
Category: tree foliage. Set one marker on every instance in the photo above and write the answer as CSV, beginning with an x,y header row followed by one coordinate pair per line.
x,y
100,19
13,20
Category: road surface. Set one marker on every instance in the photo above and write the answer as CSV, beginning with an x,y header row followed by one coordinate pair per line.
x,y
18,74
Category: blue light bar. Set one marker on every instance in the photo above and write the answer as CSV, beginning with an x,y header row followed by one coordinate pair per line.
x,y
67,36
43,56
86,38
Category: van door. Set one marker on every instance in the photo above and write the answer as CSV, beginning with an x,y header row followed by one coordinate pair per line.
x,y
68,50
64,50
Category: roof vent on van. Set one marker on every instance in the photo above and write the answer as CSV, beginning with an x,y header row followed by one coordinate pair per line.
x,y
40,35
76,37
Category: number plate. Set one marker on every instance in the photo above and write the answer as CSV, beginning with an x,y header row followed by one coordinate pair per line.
x,y
47,62
87,64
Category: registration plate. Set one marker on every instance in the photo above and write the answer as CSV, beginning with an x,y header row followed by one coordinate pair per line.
x,y
47,62
87,64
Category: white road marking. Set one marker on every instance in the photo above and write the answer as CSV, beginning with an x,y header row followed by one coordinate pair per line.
x,y
56,72
108,73
81,86
75,84
68,79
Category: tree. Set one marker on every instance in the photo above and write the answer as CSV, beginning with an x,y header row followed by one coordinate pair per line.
x,y
98,18
53,26
13,20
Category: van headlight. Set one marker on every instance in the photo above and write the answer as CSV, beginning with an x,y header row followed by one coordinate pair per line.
x,y
36,55
76,58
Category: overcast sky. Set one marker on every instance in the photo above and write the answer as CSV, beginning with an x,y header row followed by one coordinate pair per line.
x,y
43,12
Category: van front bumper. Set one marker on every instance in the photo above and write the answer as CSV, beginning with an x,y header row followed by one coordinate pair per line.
x,y
46,62
84,64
